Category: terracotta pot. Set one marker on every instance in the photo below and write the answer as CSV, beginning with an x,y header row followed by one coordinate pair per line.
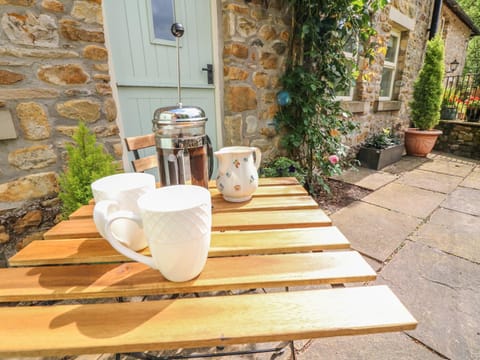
x,y
420,142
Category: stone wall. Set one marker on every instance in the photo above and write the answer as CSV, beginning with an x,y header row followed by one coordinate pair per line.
x,y
456,35
459,138
371,114
255,49
53,72
255,46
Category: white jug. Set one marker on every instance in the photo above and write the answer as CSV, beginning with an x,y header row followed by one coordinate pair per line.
x,y
237,172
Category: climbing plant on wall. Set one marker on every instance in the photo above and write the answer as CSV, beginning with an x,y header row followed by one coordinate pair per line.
x,y
311,119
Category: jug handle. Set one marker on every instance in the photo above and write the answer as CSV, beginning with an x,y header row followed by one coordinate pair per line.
x,y
210,157
117,245
258,157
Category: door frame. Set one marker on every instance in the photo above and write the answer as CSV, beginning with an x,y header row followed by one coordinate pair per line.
x,y
217,40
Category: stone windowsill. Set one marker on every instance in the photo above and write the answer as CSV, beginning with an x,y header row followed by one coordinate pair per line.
x,y
387,105
356,106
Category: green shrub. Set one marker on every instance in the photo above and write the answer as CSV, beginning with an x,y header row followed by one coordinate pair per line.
x,y
283,167
428,88
87,161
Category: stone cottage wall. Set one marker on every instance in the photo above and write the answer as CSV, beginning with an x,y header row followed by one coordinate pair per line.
x,y
53,72
456,35
374,115
255,46
255,49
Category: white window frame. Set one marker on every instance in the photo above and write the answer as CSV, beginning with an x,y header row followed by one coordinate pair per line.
x,y
392,65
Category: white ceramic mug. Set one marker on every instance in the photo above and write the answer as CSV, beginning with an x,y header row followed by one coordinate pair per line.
x,y
177,222
121,192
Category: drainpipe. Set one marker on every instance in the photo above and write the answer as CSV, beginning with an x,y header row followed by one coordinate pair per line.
x,y
437,7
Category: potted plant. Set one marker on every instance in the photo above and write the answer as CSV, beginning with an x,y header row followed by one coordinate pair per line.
x,y
427,101
472,112
449,106
380,150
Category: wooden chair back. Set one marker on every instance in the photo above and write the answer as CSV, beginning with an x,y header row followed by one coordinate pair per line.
x,y
136,143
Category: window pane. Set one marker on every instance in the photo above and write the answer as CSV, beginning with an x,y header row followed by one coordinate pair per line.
x,y
392,48
344,92
351,45
163,18
386,83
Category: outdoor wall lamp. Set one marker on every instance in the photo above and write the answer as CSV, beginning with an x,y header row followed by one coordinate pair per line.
x,y
453,66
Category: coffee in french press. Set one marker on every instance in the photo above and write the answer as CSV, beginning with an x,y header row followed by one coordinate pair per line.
x,y
183,149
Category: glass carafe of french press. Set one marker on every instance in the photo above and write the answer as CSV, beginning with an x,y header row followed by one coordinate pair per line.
x,y
183,149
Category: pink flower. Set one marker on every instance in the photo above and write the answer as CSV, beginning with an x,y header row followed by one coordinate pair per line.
x,y
333,159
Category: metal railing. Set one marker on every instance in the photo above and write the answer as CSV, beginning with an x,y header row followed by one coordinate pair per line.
x,y
461,99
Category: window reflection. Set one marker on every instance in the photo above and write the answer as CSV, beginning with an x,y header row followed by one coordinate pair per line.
x,y
163,18
392,49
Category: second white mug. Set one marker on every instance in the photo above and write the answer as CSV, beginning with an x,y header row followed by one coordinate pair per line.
x,y
121,192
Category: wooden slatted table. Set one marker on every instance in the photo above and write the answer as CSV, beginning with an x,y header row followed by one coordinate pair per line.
x,y
278,239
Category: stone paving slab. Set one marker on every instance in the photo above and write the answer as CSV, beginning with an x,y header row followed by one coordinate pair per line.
x,y
452,232
465,200
406,199
366,178
373,230
407,163
429,180
441,292
388,346
473,179
449,167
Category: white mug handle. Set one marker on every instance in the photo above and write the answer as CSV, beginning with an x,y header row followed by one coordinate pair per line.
x,y
117,245
258,157
101,211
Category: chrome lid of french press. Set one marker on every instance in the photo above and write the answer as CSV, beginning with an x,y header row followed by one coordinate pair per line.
x,y
171,115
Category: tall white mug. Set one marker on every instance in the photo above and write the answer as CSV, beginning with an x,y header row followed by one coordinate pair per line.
x,y
177,223
121,192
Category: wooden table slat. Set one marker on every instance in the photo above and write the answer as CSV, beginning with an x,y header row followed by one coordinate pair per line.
x,y
277,181
230,243
277,190
263,220
257,220
271,203
132,279
206,321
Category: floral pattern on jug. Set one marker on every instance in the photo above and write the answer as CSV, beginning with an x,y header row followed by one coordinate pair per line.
x,y
237,172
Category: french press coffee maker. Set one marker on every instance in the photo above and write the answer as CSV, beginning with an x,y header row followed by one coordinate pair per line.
x,y
185,154
184,151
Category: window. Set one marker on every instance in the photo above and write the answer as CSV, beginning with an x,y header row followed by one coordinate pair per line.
x,y
390,66
162,15
346,94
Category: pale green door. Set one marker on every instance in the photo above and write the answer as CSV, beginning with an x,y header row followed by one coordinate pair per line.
x,y
144,58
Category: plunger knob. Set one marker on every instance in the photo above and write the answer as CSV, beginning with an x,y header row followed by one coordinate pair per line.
x,y
177,30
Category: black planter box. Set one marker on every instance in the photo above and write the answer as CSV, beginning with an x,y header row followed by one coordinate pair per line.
x,y
379,158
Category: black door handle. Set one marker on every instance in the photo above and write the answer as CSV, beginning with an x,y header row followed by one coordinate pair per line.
x,y
209,70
